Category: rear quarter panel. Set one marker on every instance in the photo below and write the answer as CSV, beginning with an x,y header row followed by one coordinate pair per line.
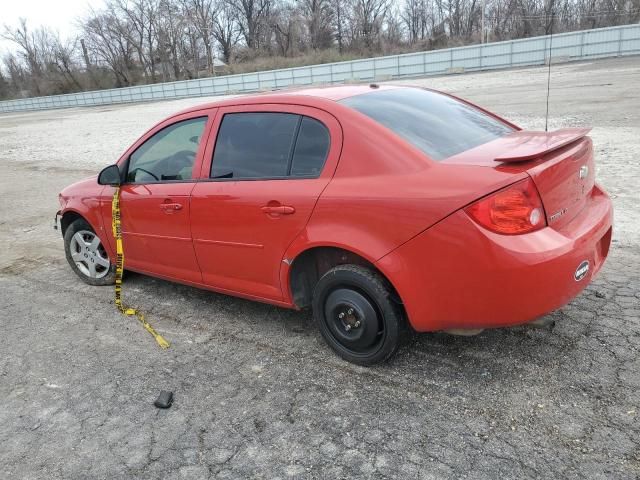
x,y
385,192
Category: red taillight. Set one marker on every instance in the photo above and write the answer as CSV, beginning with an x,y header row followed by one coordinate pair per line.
x,y
510,211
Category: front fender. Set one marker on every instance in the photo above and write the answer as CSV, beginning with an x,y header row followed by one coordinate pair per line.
x,y
89,206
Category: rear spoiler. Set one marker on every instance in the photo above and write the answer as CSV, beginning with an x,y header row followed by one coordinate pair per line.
x,y
526,145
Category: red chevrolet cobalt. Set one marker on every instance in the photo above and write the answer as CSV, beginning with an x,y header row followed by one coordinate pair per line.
x,y
384,209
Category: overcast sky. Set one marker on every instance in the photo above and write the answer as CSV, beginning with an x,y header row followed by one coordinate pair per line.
x,y
60,15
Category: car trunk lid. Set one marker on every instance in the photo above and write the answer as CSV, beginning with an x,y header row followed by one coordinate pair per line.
x,y
560,164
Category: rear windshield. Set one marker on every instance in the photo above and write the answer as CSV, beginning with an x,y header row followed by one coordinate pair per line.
x,y
437,124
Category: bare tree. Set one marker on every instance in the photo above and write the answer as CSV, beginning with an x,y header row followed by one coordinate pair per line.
x,y
51,63
140,30
62,58
368,18
415,15
226,30
285,22
102,32
5,88
339,16
318,16
18,77
201,15
252,18
393,31
171,24
26,42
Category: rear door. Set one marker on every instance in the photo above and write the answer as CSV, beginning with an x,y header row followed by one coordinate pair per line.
x,y
260,181
154,199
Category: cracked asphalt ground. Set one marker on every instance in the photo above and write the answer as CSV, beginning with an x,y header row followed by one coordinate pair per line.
x,y
257,393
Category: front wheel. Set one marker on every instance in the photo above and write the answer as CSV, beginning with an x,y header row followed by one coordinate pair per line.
x,y
86,254
357,316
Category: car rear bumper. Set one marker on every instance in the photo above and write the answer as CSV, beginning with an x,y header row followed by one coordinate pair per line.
x,y
459,275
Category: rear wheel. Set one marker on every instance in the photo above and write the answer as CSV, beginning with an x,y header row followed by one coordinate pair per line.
x,y
86,254
354,309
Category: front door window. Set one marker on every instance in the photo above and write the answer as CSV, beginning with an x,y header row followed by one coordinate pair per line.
x,y
168,155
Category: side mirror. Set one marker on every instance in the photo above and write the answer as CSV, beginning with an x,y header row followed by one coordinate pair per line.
x,y
110,176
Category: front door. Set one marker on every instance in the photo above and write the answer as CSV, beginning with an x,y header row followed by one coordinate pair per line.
x,y
155,203
260,182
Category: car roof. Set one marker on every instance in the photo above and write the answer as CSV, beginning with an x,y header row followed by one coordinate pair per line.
x,y
337,93
313,95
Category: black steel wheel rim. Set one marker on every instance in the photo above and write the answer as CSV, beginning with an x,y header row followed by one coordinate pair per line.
x,y
354,321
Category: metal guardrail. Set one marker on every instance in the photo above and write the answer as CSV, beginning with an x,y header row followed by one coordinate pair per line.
x,y
581,45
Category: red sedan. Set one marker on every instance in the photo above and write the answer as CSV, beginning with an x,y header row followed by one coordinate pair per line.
x,y
385,209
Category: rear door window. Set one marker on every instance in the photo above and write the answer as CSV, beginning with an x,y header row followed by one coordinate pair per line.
x,y
312,147
254,145
437,124
263,145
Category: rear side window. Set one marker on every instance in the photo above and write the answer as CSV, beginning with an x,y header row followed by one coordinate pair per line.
x,y
269,145
437,124
311,149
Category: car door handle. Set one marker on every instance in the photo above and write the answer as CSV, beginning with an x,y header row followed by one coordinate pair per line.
x,y
170,207
278,209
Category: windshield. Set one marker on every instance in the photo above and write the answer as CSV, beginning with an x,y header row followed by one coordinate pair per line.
x,y
437,124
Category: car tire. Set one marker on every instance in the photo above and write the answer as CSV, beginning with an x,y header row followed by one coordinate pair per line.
x,y
356,313
86,254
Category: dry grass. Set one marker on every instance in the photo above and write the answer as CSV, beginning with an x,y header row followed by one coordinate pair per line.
x,y
261,63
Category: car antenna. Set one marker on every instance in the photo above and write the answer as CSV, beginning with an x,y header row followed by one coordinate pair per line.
x,y
546,115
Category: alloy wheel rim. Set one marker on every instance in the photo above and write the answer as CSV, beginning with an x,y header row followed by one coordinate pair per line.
x,y
89,254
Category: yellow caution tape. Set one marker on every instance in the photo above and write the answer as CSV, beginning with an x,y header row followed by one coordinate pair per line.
x,y
117,234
